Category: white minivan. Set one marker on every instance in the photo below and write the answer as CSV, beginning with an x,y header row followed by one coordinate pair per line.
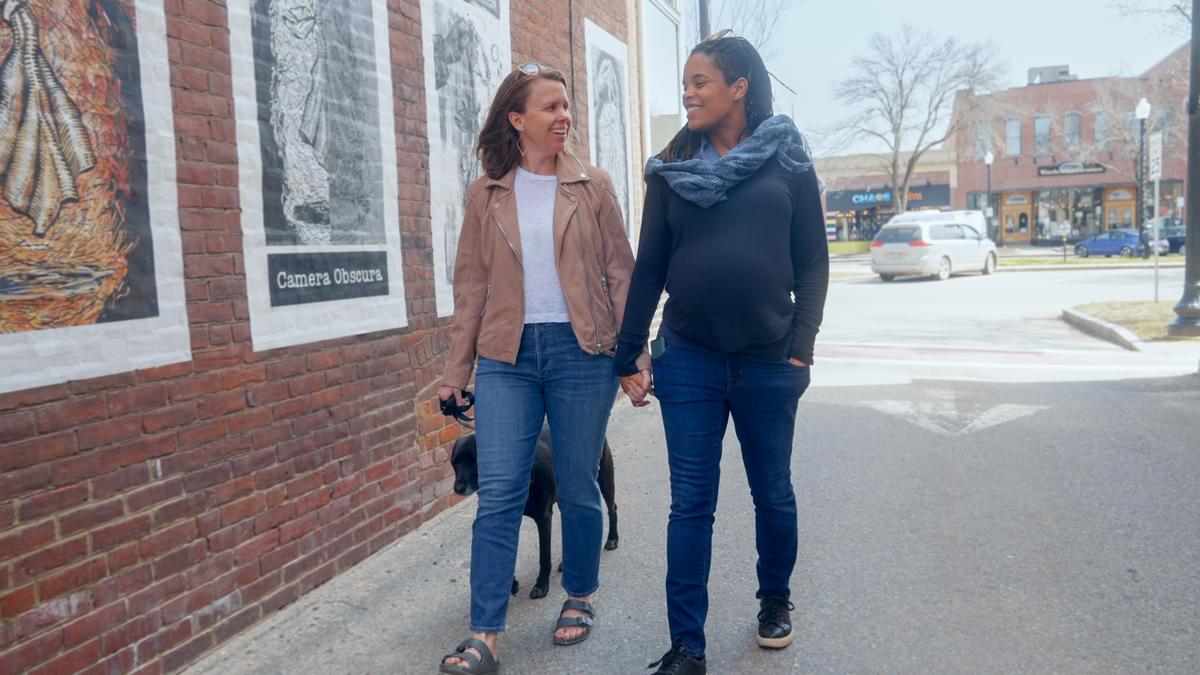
x,y
933,243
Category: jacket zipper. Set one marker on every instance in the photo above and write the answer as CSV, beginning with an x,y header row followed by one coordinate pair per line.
x,y
591,308
486,298
505,234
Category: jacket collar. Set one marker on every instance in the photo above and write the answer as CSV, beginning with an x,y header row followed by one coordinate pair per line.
x,y
570,170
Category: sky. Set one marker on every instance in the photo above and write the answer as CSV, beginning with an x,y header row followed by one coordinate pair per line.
x,y
816,40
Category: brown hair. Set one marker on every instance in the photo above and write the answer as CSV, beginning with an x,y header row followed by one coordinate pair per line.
x,y
498,147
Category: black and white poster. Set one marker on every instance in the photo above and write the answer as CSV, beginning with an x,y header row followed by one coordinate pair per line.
x,y
609,133
91,268
317,158
467,45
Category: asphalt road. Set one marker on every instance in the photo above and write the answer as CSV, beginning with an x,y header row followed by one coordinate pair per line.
x,y
981,489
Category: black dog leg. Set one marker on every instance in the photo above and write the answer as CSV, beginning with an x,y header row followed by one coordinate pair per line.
x,y
542,585
608,489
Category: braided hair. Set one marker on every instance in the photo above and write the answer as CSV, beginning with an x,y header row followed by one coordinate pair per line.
x,y
735,57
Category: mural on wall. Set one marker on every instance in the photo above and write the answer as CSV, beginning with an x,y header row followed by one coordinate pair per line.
x,y
468,51
609,133
90,262
317,158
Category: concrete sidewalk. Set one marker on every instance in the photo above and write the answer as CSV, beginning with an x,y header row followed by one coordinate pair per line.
x,y
402,609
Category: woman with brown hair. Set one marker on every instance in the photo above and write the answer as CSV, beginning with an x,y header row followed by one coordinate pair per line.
x,y
540,280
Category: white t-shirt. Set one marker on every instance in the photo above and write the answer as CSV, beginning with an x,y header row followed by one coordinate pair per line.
x,y
544,301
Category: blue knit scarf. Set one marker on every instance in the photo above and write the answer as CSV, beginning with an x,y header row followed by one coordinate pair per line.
x,y
705,180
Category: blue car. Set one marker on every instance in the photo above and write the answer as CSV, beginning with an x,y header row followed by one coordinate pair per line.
x,y
1123,242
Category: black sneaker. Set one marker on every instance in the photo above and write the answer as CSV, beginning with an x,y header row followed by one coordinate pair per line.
x,y
679,661
775,622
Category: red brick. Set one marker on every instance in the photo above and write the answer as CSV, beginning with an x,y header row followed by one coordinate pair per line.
x,y
229,491
136,399
295,529
18,602
237,378
71,413
36,451
242,509
14,426
51,558
109,432
230,536
257,547
272,475
273,517
71,662
94,624
167,540
168,418
200,384
72,579
124,556
186,507
268,393
119,533
204,478
154,494
52,612
120,480
177,659
221,404
54,501
31,652
114,664
237,623
153,596
179,560
91,517
136,629
27,539
198,435
31,397
285,368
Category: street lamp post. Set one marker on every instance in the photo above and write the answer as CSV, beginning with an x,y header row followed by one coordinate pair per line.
x,y
988,159
1187,312
1142,112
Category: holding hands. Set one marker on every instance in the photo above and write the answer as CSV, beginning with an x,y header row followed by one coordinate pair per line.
x,y
637,387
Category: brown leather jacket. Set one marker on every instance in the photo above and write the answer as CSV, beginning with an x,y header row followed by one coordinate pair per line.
x,y
593,256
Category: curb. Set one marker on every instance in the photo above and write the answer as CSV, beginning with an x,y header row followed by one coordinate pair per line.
x,y
1102,329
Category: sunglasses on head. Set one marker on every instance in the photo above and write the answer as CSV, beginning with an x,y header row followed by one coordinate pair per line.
x,y
532,68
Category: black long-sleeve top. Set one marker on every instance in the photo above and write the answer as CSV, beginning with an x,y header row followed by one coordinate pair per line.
x,y
747,276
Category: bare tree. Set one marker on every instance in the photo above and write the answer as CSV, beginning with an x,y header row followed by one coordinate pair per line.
x,y
755,21
1175,16
904,88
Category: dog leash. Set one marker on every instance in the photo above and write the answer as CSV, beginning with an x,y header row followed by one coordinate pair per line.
x,y
451,407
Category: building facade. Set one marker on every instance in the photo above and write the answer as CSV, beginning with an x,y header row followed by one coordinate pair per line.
x,y
859,197
223,321
1065,152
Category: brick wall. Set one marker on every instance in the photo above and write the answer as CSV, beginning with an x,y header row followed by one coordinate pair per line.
x,y
148,516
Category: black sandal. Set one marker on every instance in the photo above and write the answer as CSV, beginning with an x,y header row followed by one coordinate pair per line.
x,y
585,621
476,665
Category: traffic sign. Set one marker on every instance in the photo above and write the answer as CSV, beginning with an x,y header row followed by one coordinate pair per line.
x,y
1156,155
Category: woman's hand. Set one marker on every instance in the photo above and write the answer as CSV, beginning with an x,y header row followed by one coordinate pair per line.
x,y
446,391
637,387
797,362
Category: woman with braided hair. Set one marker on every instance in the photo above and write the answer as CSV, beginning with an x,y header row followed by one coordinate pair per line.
x,y
733,228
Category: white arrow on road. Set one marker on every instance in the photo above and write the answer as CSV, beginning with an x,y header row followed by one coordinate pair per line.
x,y
943,416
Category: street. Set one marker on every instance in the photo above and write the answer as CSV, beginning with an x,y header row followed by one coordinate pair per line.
x,y
981,489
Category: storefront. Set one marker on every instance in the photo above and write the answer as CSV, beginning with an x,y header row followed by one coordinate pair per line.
x,y
860,213
1044,216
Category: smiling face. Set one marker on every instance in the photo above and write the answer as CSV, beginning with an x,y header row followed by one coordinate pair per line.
x,y
547,119
710,101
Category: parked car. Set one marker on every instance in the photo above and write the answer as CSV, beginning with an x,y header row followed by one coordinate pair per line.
x,y
932,243
1124,242
1175,235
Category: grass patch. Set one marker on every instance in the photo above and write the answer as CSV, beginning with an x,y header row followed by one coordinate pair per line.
x,y
1145,319
1073,260
848,247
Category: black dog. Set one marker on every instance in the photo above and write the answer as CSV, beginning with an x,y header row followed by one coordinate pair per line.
x,y
543,493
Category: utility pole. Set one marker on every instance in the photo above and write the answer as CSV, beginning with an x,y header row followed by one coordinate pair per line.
x,y
1187,311
705,23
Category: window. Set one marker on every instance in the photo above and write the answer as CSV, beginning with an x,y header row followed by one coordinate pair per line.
x,y
898,235
663,73
1100,132
1072,123
983,139
1012,138
1041,135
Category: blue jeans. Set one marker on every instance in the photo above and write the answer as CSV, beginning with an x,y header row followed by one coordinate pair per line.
x,y
553,379
698,391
